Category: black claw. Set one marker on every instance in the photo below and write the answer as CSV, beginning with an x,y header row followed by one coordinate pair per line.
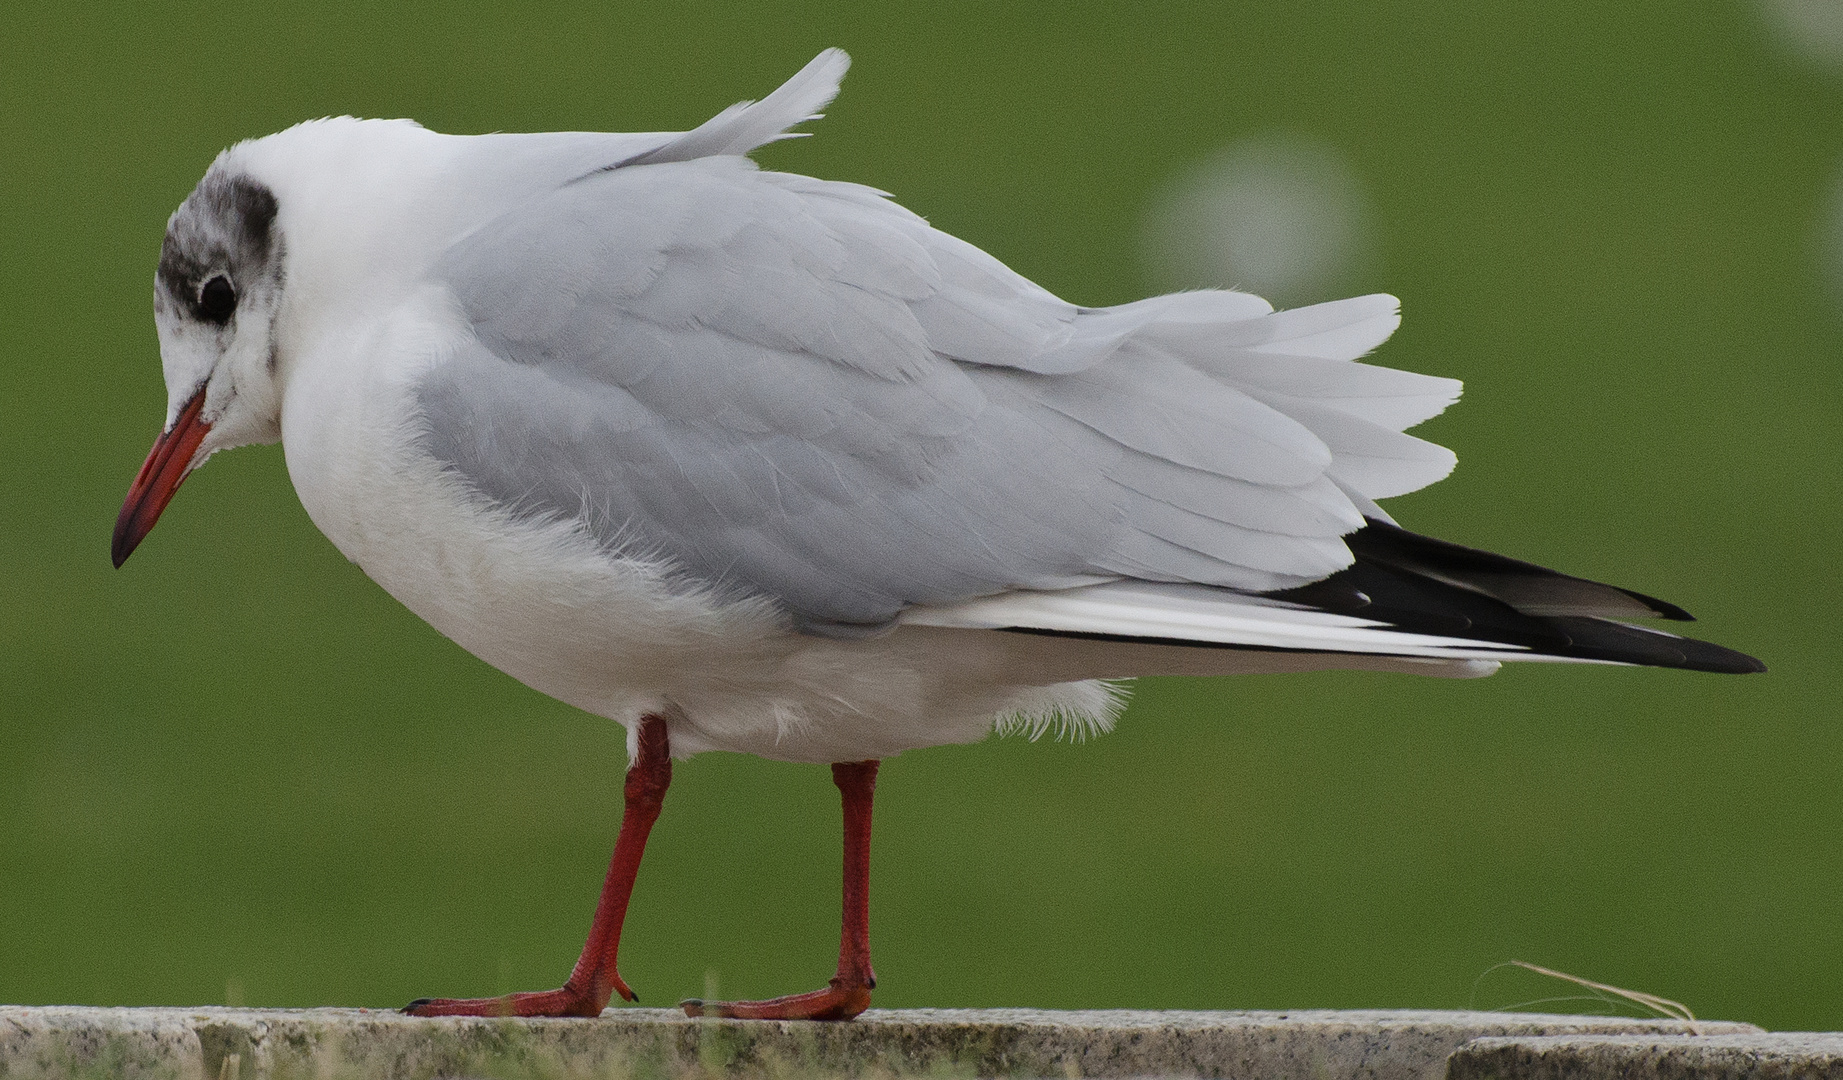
x,y
871,982
417,1003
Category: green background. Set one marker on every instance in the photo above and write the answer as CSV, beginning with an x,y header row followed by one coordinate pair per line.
x,y
236,770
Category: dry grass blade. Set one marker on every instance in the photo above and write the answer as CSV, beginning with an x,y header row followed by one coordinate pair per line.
x,y
1663,1006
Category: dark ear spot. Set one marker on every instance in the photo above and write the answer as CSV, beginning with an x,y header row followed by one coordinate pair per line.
x,y
222,234
253,210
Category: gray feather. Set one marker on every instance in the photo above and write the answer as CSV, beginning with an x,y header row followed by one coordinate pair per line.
x,y
797,388
748,124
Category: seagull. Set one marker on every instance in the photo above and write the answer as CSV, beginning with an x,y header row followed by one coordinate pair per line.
x,y
750,461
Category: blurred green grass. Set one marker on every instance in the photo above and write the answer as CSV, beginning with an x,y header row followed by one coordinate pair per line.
x,y
236,760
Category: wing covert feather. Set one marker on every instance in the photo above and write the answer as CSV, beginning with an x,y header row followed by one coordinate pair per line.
x,y
797,388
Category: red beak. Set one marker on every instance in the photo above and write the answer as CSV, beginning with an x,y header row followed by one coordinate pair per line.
x,y
160,476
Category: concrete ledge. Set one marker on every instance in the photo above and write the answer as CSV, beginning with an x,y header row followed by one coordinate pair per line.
x,y
329,1044
1790,1055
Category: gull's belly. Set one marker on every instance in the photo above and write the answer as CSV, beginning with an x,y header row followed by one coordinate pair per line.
x,y
613,636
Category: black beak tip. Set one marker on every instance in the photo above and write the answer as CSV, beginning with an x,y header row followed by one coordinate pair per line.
x,y
123,543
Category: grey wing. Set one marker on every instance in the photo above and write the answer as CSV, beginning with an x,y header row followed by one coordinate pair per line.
x,y
796,388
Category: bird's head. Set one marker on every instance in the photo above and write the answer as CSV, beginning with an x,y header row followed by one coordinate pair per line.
x,y
216,295
292,239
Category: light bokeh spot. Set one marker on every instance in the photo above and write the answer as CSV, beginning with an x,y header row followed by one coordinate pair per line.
x,y
1281,215
1830,236
1810,29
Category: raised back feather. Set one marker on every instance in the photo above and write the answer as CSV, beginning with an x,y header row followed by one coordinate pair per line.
x,y
748,124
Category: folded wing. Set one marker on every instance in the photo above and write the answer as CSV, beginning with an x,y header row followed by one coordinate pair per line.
x,y
798,388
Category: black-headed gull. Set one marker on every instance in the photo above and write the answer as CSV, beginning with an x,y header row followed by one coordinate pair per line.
x,y
751,461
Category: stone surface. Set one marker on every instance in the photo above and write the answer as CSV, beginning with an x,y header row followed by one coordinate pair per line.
x,y
1788,1055
246,1044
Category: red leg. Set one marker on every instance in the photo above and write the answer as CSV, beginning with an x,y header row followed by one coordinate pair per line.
x,y
849,992
594,979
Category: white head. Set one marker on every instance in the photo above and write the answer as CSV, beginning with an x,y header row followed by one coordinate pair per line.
x,y
215,298
216,293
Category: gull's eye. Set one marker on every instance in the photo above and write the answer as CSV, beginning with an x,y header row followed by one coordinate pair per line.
x,y
217,300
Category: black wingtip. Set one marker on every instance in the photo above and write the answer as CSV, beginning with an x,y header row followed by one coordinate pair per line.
x,y
1664,608
1528,587
1704,656
1421,585
1600,639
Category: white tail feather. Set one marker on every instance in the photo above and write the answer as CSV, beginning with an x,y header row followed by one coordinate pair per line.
x,y
1193,613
